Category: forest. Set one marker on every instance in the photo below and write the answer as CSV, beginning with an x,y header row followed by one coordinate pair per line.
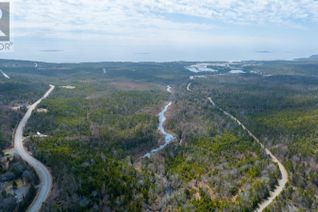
x,y
102,118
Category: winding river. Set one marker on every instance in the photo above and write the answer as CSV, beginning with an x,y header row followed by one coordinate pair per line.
x,y
42,171
168,138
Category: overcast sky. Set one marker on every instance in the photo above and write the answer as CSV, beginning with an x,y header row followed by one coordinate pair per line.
x,y
163,30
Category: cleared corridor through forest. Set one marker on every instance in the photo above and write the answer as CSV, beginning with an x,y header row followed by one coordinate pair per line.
x,y
284,175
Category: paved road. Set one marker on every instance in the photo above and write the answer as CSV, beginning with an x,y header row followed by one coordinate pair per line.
x,y
282,182
43,173
4,74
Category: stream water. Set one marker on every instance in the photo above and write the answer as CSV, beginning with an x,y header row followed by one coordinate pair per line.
x,y
168,138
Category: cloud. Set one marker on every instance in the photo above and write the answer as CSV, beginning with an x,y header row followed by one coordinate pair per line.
x,y
118,17
194,28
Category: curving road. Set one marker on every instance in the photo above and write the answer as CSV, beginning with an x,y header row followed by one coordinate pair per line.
x,y
188,86
43,173
281,182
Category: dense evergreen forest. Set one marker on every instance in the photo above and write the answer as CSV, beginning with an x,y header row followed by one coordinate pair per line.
x,y
103,117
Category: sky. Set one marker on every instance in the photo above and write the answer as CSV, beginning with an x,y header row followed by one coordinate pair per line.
x,y
163,30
